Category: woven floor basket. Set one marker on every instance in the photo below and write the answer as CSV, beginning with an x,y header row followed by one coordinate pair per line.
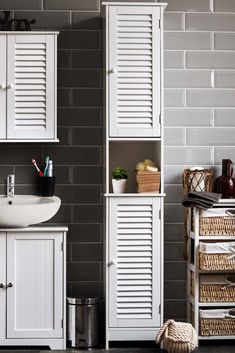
x,y
148,181
211,293
217,327
177,337
217,226
213,262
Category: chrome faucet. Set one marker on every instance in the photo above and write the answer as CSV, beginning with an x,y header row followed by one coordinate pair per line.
x,y
11,185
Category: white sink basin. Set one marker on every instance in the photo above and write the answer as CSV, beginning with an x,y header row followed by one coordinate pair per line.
x,y
23,210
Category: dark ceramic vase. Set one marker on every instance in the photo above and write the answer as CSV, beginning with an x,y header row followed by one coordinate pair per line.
x,y
225,184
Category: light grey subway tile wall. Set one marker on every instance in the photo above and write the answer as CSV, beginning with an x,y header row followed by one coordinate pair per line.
x,y
187,156
174,21
224,117
209,22
224,41
210,60
188,117
210,136
188,5
173,59
223,152
200,99
174,98
225,79
188,40
224,6
187,78
210,98
174,137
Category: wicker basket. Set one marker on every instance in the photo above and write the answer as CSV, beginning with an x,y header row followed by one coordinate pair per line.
x,y
148,181
214,262
217,226
217,327
218,289
217,322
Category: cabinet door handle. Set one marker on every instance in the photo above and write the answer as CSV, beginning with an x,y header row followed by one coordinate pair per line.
x,y
112,262
10,285
10,86
2,285
2,87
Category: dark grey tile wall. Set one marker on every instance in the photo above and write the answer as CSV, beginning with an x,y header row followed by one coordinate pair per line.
x,y
77,158
196,48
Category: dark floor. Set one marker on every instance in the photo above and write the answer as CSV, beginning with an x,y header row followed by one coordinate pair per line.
x,y
217,347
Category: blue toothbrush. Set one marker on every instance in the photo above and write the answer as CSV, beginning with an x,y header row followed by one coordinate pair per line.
x,y
47,162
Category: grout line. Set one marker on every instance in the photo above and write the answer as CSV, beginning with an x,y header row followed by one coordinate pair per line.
x,y
213,41
213,78
213,118
185,97
213,155
212,5
184,21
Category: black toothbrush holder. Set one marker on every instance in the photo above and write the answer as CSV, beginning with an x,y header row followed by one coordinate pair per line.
x,y
46,185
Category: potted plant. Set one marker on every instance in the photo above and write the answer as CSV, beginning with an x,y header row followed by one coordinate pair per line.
x,y
119,175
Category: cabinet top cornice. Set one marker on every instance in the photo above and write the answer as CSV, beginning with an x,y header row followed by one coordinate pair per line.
x,y
29,32
136,3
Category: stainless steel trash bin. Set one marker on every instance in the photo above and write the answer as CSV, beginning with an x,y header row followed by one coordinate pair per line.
x,y
83,322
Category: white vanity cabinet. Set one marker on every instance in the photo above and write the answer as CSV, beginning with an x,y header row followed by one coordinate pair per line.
x,y
28,81
32,286
133,79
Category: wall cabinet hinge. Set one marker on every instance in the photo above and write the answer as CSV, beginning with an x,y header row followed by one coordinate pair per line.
x,y
62,323
159,214
160,119
159,23
159,309
62,246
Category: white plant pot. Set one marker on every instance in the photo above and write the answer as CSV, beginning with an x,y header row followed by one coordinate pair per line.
x,y
119,186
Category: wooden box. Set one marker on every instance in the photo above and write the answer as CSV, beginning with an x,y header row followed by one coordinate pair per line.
x,y
148,181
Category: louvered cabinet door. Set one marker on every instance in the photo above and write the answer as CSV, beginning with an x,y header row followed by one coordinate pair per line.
x,y
3,86
35,298
3,241
134,71
31,86
134,262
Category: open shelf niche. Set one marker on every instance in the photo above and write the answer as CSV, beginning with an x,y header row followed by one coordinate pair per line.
x,y
127,154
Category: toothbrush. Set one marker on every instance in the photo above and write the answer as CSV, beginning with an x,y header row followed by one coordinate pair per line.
x,y
39,171
47,162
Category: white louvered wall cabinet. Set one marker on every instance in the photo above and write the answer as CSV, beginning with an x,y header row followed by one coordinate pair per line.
x,y
133,82
28,80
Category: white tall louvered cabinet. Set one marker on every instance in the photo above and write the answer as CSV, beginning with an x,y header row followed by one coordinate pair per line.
x,y
28,80
133,81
